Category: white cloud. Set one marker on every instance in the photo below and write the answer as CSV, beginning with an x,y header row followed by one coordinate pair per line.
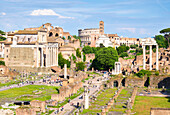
x,y
47,12
3,14
132,30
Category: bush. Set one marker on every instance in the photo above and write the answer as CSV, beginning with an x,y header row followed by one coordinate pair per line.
x,y
143,72
62,61
122,48
139,50
157,73
87,50
80,66
2,63
78,53
138,54
124,54
132,51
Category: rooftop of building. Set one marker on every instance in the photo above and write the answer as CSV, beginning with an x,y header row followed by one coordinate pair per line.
x,y
89,29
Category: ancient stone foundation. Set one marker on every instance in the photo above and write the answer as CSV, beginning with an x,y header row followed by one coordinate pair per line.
x,y
70,86
160,111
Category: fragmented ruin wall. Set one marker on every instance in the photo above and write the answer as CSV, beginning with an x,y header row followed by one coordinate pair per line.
x,y
159,81
160,111
21,56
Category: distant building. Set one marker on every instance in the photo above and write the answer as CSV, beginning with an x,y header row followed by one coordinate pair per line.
x,y
36,49
105,41
91,35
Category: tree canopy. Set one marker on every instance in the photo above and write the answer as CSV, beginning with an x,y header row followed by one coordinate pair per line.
x,y
122,48
167,30
62,61
78,53
87,50
162,42
80,66
2,63
2,38
105,58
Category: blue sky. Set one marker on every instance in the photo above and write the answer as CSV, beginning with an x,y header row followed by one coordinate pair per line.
x,y
128,18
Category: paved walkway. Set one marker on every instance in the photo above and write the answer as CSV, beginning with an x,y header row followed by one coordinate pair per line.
x,y
68,108
21,85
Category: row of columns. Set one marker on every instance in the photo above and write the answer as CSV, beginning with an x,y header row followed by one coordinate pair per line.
x,y
49,59
150,58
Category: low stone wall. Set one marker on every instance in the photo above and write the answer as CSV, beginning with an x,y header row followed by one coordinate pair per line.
x,y
32,69
6,112
133,96
70,87
134,82
38,105
25,111
160,111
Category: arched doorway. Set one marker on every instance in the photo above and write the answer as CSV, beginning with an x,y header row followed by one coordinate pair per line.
x,y
56,35
123,82
50,34
115,83
147,82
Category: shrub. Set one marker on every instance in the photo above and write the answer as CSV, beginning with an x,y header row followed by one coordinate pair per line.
x,y
157,73
132,51
2,63
124,54
143,72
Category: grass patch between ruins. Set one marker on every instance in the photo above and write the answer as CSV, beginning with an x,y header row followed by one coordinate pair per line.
x,y
143,104
27,93
102,99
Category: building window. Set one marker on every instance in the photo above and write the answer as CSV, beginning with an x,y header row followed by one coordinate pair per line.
x,y
7,50
7,56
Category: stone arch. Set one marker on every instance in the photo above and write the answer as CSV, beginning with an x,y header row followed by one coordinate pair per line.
x,y
165,82
56,35
115,83
50,34
105,85
123,82
146,84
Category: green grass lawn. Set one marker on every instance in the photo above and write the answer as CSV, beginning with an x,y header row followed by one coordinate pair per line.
x,y
143,104
102,99
92,73
130,57
16,92
121,100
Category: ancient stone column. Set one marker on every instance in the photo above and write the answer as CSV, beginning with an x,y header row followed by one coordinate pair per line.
x,y
115,68
82,56
42,59
157,54
52,52
50,56
51,62
55,56
46,61
119,67
144,57
65,71
37,57
150,62
86,98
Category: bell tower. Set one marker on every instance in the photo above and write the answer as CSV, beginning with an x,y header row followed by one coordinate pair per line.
x,y
101,27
